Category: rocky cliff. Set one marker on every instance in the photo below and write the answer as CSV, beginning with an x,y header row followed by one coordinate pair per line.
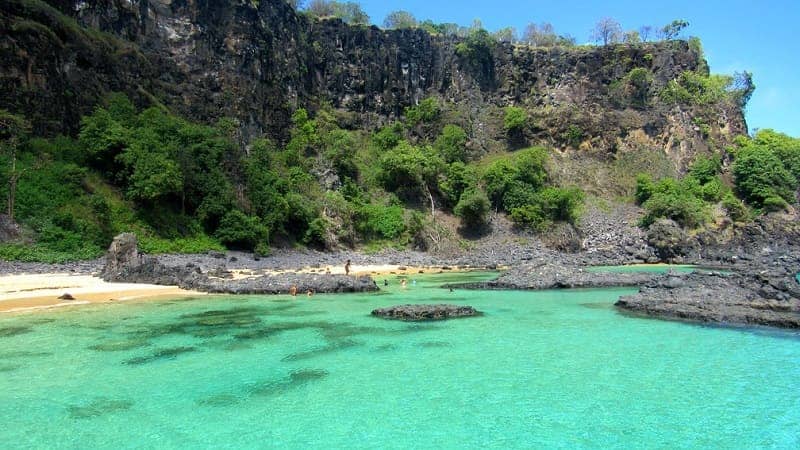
x,y
259,61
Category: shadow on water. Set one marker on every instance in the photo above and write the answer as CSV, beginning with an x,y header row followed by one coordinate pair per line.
x,y
321,351
120,345
99,407
598,305
385,348
23,354
295,380
434,344
166,353
14,331
9,367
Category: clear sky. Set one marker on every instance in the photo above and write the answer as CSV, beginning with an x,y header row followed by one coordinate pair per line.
x,y
758,36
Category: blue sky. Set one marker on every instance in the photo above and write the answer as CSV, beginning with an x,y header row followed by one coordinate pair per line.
x,y
737,35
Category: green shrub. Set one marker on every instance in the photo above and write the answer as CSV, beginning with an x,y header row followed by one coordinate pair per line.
x,y
515,120
388,137
736,210
473,208
705,169
427,111
530,217
458,178
760,175
409,168
316,234
560,204
452,144
644,188
498,178
192,244
677,200
519,194
531,166
786,148
239,231
712,190
378,221
573,135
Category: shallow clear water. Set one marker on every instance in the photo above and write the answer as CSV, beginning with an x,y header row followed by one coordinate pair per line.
x,y
539,369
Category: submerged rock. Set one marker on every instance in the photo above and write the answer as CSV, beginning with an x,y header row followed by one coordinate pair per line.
x,y
425,312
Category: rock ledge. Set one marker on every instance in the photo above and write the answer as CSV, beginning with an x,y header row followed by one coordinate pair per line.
x,y
425,312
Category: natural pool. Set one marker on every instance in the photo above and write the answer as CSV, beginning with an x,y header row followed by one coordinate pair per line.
x,y
539,369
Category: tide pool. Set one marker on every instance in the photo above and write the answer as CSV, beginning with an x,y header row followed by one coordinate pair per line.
x,y
552,369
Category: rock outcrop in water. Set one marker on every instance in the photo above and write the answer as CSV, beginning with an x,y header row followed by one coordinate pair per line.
x,y
425,312
125,264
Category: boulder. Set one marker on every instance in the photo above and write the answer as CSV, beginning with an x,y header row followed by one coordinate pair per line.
x,y
123,253
425,312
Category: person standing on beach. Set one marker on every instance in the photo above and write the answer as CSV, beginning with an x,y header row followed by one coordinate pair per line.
x,y
293,290
347,267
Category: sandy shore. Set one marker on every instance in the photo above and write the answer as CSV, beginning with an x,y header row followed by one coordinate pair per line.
x,y
41,291
372,270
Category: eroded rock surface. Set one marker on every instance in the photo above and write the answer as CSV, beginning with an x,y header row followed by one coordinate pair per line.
x,y
425,312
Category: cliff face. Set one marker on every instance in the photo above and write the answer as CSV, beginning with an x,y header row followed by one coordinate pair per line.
x,y
208,59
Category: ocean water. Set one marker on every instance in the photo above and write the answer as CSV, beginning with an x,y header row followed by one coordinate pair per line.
x,y
554,369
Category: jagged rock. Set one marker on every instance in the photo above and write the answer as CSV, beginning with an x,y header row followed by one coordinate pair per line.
x,y
9,229
122,254
66,296
425,312
668,238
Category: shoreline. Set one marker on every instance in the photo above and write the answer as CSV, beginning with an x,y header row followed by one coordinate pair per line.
x,y
29,292
35,292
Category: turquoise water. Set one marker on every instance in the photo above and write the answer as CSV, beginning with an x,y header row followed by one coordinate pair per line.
x,y
555,369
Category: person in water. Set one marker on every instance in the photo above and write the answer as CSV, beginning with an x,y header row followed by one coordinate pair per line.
x,y
347,267
310,293
385,282
403,283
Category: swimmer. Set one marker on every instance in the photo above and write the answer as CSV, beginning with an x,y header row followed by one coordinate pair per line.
x,y
403,283
310,293
385,282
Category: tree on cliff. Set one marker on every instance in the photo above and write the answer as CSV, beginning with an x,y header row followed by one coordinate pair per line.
x,y
399,19
673,30
607,31
12,129
349,12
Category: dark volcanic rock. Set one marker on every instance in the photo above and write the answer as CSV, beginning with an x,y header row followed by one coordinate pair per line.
x,y
743,299
125,264
425,312
557,276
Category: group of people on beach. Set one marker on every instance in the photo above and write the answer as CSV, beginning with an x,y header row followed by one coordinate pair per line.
x,y
403,282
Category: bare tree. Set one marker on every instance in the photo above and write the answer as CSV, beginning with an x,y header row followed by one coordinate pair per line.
x,y
321,8
542,35
607,31
12,129
508,34
645,32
